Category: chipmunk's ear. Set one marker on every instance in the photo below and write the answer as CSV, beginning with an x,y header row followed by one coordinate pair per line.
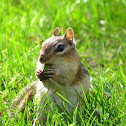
x,y
69,34
56,31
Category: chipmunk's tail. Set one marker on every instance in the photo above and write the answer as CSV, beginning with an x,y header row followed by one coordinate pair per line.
x,y
25,96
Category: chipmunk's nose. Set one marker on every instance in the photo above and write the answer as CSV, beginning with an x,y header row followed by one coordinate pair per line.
x,y
41,58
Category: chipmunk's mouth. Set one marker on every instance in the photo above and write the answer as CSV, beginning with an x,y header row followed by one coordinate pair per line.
x,y
48,65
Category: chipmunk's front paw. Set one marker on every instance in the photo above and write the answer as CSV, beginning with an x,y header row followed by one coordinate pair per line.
x,y
46,73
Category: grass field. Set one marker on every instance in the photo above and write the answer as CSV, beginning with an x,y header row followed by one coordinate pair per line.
x,y
100,33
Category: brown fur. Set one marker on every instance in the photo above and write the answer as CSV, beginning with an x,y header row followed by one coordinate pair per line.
x,y
82,71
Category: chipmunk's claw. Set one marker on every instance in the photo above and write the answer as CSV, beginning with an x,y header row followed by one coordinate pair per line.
x,y
46,74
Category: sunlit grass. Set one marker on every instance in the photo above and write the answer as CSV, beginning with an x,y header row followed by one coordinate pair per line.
x,y
100,33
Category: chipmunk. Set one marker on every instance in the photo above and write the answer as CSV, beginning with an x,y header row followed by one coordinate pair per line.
x,y
65,73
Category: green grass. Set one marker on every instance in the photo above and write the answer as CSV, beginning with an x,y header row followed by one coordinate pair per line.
x,y
100,34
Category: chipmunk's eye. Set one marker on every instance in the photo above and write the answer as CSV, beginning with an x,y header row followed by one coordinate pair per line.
x,y
60,48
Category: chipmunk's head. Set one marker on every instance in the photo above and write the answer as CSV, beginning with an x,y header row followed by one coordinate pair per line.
x,y
57,47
